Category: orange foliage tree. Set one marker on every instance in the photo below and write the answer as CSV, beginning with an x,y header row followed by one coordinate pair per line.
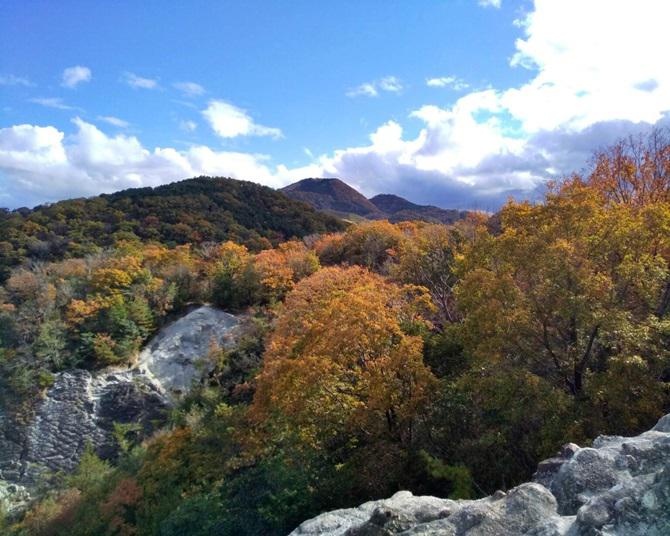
x,y
345,360
279,269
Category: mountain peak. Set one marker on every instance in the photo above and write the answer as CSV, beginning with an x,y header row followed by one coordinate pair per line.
x,y
319,185
331,194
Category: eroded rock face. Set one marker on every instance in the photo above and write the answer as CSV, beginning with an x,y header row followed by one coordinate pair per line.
x,y
81,407
619,487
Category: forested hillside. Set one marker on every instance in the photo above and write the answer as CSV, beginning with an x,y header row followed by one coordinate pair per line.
x,y
192,211
444,360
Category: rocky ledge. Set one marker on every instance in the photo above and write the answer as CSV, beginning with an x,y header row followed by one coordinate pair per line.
x,y
620,486
82,407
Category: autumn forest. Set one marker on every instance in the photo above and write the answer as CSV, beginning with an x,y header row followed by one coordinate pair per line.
x,y
372,356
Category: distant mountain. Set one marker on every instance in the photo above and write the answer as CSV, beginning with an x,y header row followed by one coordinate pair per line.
x,y
190,211
399,209
331,195
336,197
392,203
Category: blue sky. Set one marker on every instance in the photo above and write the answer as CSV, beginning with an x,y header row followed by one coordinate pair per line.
x,y
455,102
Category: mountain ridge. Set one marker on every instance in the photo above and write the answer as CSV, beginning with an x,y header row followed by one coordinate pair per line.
x,y
197,210
336,197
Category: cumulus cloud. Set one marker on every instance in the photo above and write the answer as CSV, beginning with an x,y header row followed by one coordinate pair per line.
x,y
229,121
189,89
451,82
12,80
114,121
389,84
604,64
139,82
587,87
39,164
490,3
439,165
73,76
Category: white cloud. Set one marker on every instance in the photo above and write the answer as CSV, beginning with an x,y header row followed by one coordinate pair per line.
x,y
451,82
39,164
114,121
229,121
190,89
139,82
595,61
11,80
188,126
73,76
490,3
52,102
390,84
439,165
368,90
24,145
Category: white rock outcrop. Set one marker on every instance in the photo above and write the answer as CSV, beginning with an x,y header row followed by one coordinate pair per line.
x,y
82,407
618,487
173,359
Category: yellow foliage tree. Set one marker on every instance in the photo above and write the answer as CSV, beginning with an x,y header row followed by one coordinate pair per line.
x,y
566,285
372,244
429,259
634,171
